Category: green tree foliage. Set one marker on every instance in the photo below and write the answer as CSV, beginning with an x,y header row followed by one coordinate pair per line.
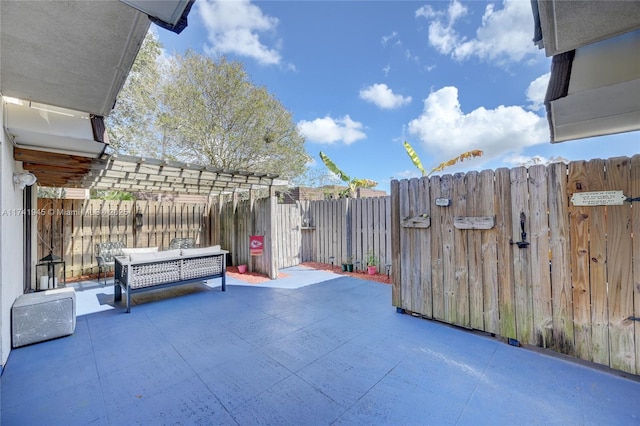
x,y
198,110
416,160
112,195
353,183
51,192
131,126
218,117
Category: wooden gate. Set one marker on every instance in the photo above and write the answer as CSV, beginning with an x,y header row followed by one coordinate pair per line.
x,y
289,235
568,285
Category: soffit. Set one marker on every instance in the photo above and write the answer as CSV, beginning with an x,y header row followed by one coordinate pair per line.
x,y
73,54
567,25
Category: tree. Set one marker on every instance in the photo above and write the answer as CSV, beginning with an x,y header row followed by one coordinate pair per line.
x,y
353,183
416,160
216,116
132,125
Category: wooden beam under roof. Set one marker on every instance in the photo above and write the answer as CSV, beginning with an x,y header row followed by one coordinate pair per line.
x,y
135,174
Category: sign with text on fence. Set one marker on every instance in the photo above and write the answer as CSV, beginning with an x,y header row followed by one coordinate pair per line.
x,y
598,198
256,245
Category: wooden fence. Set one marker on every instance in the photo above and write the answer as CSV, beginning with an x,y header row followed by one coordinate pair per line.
x,y
569,288
335,230
71,228
319,231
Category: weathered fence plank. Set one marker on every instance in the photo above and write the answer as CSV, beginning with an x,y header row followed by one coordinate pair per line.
x,y
448,261
460,253
491,313
521,257
396,246
405,246
597,266
414,248
561,291
634,192
424,272
619,274
474,244
437,263
506,287
540,276
579,237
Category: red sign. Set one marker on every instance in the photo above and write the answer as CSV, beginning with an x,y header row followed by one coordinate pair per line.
x,y
256,245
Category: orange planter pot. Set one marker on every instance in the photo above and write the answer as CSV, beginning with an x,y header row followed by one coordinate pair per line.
x,y
242,269
372,270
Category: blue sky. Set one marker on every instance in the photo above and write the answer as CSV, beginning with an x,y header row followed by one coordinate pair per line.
x,y
361,77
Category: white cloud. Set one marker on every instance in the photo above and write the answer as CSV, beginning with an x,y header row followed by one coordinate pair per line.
x,y
235,27
537,90
383,97
426,12
503,36
517,160
447,132
393,36
329,130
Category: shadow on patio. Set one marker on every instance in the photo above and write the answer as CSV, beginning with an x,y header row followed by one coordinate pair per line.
x,y
331,351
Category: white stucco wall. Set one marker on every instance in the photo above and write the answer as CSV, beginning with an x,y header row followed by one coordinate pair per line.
x,y
11,240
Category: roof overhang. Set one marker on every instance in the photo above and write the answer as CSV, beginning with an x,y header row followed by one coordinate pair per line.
x,y
50,129
594,88
76,54
171,15
71,54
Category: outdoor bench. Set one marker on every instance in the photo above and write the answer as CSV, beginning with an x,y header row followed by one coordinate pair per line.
x,y
140,271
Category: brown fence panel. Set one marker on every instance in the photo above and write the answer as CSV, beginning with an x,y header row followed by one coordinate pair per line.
x,y
568,285
71,228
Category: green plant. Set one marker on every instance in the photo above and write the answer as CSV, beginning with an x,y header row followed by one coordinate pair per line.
x,y
372,258
354,183
416,160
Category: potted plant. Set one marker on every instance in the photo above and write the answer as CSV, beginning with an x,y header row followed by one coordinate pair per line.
x,y
372,262
347,265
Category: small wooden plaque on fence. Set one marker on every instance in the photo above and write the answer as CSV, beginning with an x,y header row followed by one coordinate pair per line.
x,y
422,221
474,222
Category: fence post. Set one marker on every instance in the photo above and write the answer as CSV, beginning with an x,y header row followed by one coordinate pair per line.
x,y
349,229
396,259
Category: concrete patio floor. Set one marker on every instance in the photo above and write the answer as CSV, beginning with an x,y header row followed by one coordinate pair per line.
x,y
311,349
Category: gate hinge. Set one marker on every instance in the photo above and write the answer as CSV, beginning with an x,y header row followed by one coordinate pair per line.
x,y
631,200
634,318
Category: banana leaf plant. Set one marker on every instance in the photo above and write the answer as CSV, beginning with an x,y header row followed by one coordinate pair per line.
x,y
416,160
352,183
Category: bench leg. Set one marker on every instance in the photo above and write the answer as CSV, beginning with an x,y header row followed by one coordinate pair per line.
x,y
128,301
224,282
117,292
